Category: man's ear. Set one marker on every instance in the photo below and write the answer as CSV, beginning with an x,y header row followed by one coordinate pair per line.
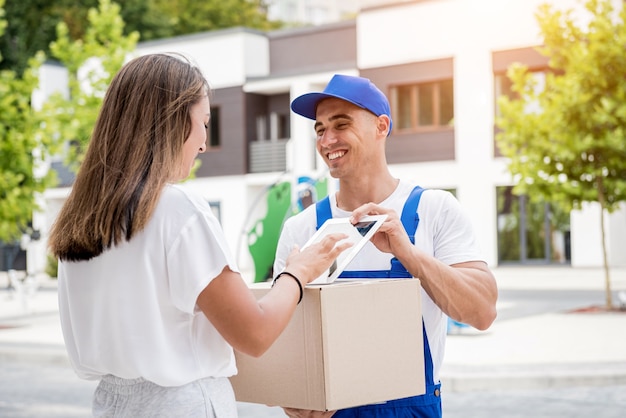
x,y
383,124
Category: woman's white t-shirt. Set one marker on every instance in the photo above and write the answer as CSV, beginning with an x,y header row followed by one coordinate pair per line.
x,y
444,232
131,312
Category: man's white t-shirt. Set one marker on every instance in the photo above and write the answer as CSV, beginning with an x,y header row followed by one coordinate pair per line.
x,y
131,312
444,232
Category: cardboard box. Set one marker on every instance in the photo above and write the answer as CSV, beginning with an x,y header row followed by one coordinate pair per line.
x,y
349,343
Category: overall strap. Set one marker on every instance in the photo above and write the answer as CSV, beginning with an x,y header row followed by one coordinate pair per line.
x,y
410,219
322,209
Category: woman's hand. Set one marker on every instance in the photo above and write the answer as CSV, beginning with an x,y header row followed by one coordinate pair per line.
x,y
314,260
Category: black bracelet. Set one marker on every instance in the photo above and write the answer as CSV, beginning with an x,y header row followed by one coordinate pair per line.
x,y
295,278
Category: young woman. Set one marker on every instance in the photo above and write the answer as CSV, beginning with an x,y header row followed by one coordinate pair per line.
x,y
151,300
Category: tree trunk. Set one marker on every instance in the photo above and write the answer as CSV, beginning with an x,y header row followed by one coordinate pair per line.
x,y
605,262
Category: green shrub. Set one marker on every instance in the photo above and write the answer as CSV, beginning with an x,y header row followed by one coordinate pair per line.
x,y
52,266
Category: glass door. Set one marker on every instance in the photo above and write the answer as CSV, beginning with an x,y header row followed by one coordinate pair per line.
x,y
530,232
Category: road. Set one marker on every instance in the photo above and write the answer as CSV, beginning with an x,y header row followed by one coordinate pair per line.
x,y
33,390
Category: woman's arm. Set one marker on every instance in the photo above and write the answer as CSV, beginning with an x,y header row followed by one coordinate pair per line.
x,y
251,325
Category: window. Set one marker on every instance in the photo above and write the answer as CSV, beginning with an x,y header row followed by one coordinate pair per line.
x,y
504,87
272,127
424,105
261,128
216,207
213,133
281,128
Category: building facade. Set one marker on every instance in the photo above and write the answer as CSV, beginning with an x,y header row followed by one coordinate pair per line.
x,y
317,12
442,64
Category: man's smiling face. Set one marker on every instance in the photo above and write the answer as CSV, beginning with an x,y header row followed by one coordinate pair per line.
x,y
344,135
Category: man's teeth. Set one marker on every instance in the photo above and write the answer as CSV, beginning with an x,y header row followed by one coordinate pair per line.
x,y
336,154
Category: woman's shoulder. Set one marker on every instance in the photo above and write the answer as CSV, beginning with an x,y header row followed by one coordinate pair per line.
x,y
181,202
180,195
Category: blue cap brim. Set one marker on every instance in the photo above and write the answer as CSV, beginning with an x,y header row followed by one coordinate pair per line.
x,y
306,105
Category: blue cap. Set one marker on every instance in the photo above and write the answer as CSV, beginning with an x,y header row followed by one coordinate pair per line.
x,y
356,90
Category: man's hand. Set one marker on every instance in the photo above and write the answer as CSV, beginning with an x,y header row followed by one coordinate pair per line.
x,y
304,413
391,237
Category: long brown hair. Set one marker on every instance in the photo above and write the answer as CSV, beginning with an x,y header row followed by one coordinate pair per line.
x,y
135,149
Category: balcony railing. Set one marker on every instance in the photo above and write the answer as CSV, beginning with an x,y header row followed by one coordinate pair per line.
x,y
267,156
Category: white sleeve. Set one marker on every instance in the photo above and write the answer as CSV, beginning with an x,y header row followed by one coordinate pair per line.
x,y
284,247
198,255
454,240
296,231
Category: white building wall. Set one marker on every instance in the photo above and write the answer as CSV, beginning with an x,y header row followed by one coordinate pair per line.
x,y
587,237
226,58
617,232
466,30
469,31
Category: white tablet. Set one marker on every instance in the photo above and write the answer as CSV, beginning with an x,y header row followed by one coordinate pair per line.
x,y
358,234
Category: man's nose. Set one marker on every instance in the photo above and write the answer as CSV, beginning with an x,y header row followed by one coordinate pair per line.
x,y
327,138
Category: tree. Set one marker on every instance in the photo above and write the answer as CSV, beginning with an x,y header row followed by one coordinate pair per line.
x,y
19,143
32,23
190,16
91,63
30,29
566,140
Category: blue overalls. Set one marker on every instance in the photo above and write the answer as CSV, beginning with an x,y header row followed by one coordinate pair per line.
x,y
423,406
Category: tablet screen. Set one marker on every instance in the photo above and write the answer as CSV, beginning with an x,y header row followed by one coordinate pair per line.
x,y
359,234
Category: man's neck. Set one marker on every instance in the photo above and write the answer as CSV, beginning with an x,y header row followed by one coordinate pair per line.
x,y
353,194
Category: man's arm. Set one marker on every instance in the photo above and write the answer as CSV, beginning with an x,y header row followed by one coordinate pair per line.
x,y
466,292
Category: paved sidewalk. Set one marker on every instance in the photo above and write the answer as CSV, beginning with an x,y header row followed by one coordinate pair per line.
x,y
549,349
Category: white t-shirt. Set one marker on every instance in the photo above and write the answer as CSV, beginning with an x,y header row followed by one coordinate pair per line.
x,y
131,312
444,232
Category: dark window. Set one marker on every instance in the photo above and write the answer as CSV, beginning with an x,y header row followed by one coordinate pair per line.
x,y
213,132
282,126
